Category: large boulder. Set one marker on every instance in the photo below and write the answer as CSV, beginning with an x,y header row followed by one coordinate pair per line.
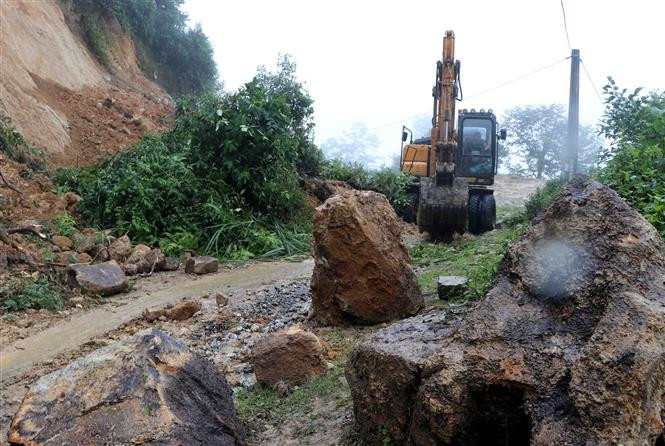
x,y
362,272
148,389
568,347
384,370
292,357
104,279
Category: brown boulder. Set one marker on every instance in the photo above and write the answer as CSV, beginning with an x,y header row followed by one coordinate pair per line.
x,y
100,253
104,279
130,269
201,265
138,254
170,264
84,242
183,310
323,188
362,272
120,249
62,242
292,356
384,370
568,347
152,261
147,389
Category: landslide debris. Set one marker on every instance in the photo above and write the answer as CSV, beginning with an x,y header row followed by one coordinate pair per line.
x,y
148,388
362,272
568,347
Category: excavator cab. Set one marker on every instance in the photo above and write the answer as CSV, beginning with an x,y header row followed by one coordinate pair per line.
x,y
477,150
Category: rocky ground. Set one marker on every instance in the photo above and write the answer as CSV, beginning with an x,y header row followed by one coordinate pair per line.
x,y
317,413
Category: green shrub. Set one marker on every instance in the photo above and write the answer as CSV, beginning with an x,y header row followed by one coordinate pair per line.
x,y
97,37
352,173
543,197
225,180
180,58
23,294
391,183
634,162
63,224
15,147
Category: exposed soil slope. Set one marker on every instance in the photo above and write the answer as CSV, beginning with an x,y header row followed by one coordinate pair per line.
x,y
54,90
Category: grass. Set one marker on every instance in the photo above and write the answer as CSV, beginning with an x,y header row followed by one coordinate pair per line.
x,y
24,293
476,259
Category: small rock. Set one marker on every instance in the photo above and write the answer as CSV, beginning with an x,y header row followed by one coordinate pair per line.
x,y
449,287
100,253
152,315
201,265
83,242
221,300
170,264
138,253
83,257
120,249
62,242
183,310
152,261
76,300
281,388
24,323
131,269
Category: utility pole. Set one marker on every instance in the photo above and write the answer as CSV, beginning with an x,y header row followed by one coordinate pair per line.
x,y
573,113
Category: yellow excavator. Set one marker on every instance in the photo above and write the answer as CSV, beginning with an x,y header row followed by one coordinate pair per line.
x,y
454,170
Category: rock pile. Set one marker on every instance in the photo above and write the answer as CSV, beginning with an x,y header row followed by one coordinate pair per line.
x,y
568,347
362,272
147,389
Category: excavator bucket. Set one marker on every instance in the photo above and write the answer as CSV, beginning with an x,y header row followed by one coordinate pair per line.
x,y
443,210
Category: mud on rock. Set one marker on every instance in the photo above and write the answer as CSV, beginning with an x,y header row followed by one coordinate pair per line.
x,y
568,347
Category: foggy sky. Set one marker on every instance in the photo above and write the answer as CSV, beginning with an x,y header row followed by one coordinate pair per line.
x,y
373,61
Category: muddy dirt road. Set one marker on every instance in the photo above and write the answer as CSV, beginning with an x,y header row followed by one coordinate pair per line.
x,y
83,327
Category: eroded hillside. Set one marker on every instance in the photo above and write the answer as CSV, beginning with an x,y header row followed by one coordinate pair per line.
x,y
60,97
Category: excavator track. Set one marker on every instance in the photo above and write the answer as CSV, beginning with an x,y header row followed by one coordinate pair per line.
x,y
443,210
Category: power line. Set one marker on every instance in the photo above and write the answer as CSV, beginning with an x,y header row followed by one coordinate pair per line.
x,y
565,25
531,73
496,87
592,83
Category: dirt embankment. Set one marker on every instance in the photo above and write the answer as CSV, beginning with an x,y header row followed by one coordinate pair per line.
x,y
58,95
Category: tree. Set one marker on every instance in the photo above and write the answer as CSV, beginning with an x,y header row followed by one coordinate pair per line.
x,y
354,146
536,143
634,161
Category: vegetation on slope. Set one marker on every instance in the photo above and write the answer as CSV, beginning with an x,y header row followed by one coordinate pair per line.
x,y
178,57
225,180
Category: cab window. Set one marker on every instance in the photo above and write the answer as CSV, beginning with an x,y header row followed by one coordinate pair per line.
x,y
477,146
